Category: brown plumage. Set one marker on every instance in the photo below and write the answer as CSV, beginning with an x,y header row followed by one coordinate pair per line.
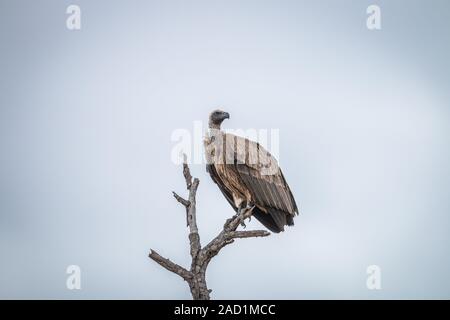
x,y
248,176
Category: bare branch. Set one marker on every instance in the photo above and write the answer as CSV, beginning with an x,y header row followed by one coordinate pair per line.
x,y
192,218
215,245
227,237
201,257
169,265
194,237
187,173
181,200
185,203
249,234
233,223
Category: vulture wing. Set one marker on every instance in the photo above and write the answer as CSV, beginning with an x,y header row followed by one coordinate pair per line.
x,y
215,177
260,174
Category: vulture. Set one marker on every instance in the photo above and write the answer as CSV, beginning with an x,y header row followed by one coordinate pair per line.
x,y
248,176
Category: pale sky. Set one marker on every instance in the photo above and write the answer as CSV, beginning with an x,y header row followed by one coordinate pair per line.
x,y
86,119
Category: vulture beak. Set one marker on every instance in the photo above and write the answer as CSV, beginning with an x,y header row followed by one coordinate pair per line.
x,y
226,115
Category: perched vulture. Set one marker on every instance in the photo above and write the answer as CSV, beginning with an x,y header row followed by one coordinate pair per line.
x,y
248,176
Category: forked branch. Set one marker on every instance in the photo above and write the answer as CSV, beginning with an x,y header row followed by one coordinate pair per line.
x,y
196,275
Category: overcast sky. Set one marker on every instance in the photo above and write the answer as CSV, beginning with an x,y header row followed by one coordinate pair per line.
x,y
86,119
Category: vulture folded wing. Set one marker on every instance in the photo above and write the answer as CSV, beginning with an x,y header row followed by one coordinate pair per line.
x,y
215,177
260,173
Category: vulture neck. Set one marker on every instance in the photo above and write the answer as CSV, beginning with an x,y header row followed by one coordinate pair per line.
x,y
213,126
214,130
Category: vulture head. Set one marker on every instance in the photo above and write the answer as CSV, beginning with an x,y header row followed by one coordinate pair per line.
x,y
216,117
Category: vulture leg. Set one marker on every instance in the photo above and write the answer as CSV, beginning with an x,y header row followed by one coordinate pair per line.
x,y
249,212
245,212
240,214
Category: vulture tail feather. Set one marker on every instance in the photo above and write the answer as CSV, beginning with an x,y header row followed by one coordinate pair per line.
x,y
274,219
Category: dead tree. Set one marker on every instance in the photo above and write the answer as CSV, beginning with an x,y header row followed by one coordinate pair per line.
x,y
201,256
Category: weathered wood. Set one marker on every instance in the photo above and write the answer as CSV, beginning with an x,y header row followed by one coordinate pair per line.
x,y
196,276
171,266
